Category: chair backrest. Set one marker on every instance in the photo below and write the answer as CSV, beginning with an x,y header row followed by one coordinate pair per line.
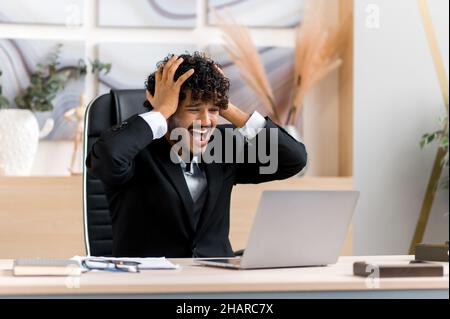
x,y
102,113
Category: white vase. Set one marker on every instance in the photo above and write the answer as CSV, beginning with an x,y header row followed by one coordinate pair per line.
x,y
19,139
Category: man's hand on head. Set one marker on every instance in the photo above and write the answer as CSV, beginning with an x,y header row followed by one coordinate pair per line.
x,y
167,90
232,113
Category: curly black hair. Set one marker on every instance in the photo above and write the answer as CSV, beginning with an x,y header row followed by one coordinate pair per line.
x,y
207,84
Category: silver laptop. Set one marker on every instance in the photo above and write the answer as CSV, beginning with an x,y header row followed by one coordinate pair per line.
x,y
295,229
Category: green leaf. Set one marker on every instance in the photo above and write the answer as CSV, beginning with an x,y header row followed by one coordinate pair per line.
x,y
4,102
98,66
45,83
444,142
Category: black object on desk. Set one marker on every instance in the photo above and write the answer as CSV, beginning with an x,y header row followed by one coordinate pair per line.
x,y
414,269
432,252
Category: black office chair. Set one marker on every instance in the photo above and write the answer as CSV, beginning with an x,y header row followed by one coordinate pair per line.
x,y
102,113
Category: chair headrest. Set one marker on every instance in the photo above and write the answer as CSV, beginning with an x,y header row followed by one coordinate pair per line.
x,y
128,103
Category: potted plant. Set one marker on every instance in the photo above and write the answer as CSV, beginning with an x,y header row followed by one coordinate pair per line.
x,y
19,132
437,180
440,136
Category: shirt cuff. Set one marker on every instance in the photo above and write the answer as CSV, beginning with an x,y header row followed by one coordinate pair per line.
x,y
254,124
157,123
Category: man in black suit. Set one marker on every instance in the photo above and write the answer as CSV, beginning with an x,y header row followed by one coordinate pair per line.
x,y
165,198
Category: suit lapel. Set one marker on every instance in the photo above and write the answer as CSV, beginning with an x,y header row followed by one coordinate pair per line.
x,y
214,177
175,175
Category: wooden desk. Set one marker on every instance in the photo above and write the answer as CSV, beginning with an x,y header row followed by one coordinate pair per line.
x,y
204,282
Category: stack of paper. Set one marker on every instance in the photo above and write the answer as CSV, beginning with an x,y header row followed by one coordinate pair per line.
x,y
144,263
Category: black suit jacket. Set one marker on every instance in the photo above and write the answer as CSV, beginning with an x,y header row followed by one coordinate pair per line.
x,y
150,203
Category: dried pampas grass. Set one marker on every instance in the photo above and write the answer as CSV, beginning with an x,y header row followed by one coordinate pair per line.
x,y
318,46
245,55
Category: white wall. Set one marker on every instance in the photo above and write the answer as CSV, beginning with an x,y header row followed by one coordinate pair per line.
x,y
397,99
320,119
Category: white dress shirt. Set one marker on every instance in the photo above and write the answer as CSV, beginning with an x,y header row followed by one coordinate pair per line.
x,y
194,176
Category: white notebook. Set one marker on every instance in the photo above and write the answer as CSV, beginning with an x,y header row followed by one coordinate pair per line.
x,y
144,263
46,267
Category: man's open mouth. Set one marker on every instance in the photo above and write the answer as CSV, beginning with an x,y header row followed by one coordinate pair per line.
x,y
200,135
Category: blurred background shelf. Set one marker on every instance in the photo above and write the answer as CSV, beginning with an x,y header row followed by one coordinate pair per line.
x,y
43,216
